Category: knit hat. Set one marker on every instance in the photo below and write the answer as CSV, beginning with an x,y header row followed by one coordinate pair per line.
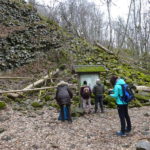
x,y
98,81
62,83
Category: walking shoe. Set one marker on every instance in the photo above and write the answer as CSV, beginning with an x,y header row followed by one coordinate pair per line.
x,y
120,133
127,131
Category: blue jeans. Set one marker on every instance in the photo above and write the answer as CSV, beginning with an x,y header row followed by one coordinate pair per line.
x,y
99,99
68,115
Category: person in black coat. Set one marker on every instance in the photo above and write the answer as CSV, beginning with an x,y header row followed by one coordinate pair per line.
x,y
98,91
63,98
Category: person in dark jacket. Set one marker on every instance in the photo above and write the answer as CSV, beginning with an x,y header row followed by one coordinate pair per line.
x,y
121,105
63,98
98,91
85,92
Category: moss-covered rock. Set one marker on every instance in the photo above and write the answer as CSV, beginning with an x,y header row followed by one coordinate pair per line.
x,y
142,98
135,103
77,111
54,104
37,105
2,105
47,98
109,101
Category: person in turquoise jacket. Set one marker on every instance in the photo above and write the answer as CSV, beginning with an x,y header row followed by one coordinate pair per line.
x,y
121,105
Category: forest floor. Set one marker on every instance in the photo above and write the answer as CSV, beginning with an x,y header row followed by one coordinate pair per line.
x,y
40,129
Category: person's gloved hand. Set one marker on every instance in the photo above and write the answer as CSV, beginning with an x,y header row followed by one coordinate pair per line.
x,y
110,92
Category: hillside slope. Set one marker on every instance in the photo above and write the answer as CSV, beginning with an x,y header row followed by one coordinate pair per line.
x,y
25,35
33,46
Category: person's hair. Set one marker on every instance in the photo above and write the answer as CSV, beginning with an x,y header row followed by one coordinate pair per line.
x,y
85,82
113,80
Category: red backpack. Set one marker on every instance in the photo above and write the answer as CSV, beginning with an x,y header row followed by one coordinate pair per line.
x,y
86,91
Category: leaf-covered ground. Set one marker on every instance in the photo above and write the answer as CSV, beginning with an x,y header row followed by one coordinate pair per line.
x,y
41,130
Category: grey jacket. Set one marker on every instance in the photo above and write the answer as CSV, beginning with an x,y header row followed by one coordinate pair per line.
x,y
63,94
98,89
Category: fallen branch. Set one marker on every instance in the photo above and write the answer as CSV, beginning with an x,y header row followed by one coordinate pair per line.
x,y
143,88
29,87
35,89
37,82
104,48
41,80
15,77
26,90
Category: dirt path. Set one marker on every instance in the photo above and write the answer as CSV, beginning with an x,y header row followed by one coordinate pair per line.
x,y
41,130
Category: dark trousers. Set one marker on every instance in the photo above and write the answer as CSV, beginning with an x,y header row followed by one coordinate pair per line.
x,y
62,112
99,99
124,117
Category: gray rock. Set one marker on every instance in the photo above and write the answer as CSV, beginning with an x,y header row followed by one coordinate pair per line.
x,y
6,138
143,145
147,114
146,133
72,146
3,118
2,130
35,146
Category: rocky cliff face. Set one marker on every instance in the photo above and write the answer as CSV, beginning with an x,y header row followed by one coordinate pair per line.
x,y
23,35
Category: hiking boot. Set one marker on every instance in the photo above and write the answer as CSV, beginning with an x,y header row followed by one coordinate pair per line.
x,y
120,133
127,131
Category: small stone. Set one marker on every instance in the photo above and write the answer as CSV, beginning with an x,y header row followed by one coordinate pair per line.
x,y
54,145
6,138
40,113
72,146
147,114
146,133
143,145
35,146
2,130
3,118
32,115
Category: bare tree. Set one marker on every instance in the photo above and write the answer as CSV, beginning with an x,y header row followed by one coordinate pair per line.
x,y
110,23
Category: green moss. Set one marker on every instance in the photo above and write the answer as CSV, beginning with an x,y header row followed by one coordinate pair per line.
x,y
47,98
54,104
62,67
109,101
135,103
90,69
142,98
36,104
2,105
74,81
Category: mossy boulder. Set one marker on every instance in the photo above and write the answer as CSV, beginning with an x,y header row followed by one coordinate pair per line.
x,y
142,98
47,98
54,105
2,105
135,103
76,100
77,111
37,105
109,101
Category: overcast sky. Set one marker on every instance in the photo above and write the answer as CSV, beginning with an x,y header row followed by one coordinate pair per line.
x,y
119,7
